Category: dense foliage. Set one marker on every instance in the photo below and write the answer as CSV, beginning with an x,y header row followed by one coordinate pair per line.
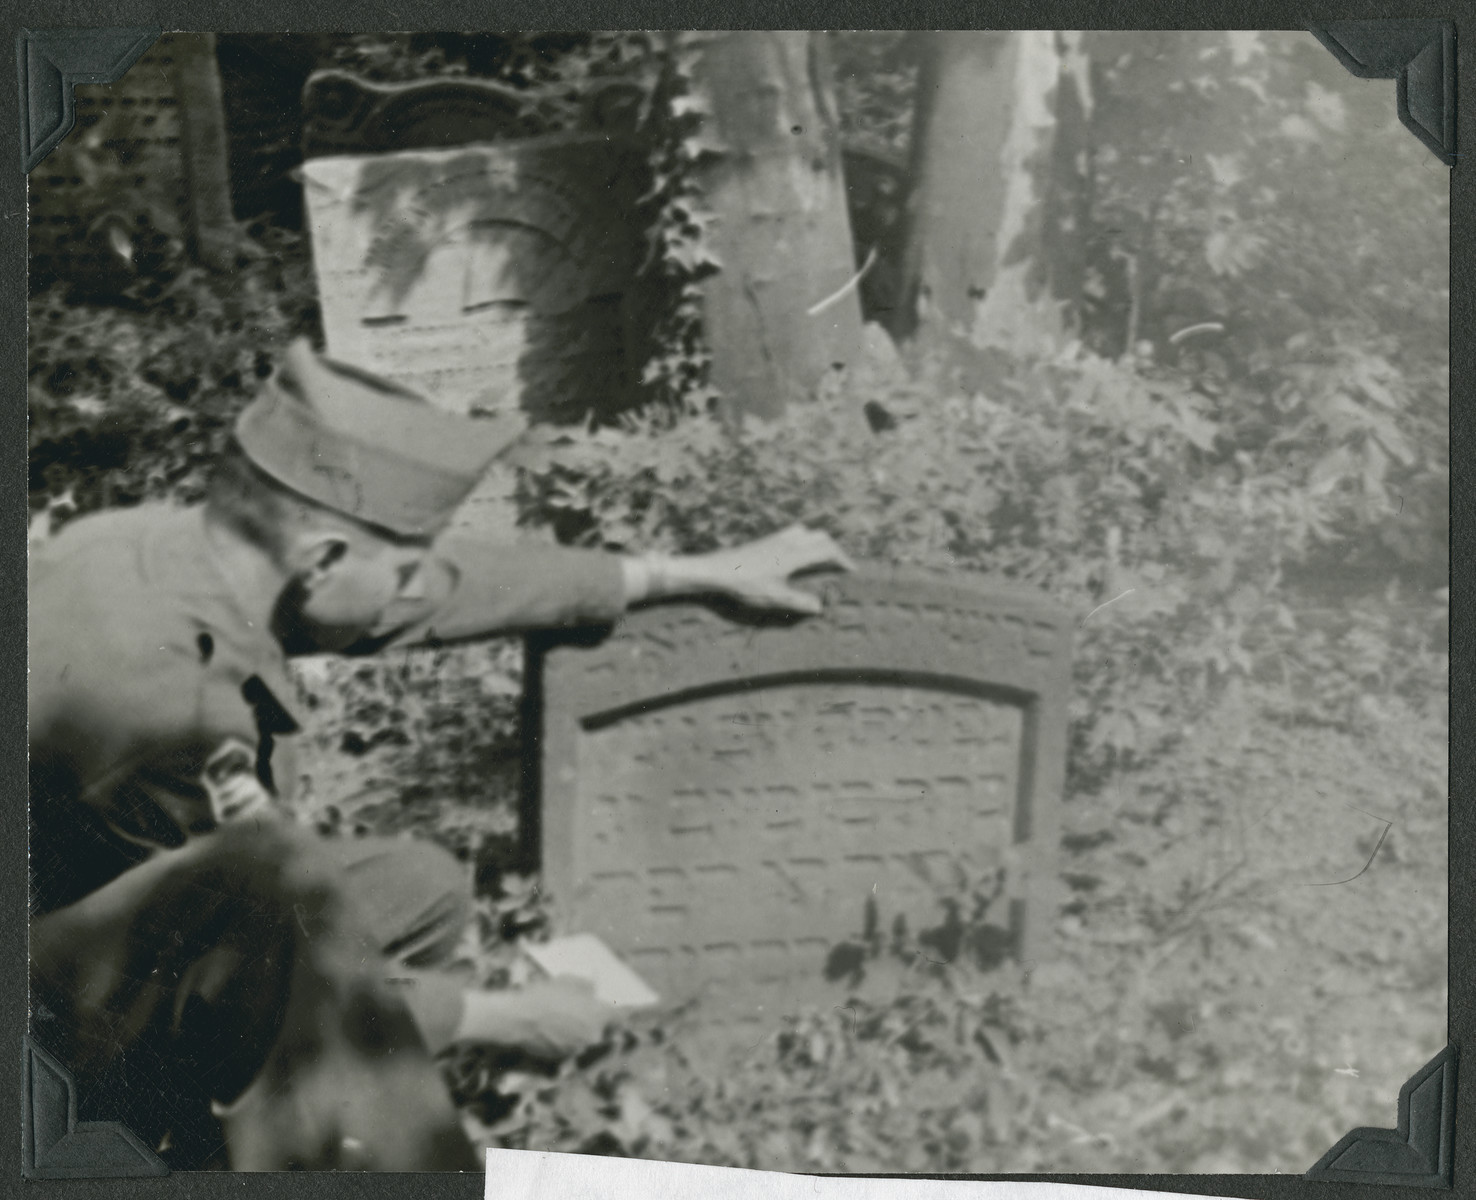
x,y
875,77
1284,204
131,400
1248,522
1099,482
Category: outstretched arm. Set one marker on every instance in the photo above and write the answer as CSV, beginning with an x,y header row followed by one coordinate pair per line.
x,y
758,574
474,589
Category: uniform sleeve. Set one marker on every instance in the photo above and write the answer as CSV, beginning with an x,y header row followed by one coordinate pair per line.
x,y
474,588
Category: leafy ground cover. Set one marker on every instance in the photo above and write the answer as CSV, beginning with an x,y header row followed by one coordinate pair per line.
x,y
1220,1002
1251,961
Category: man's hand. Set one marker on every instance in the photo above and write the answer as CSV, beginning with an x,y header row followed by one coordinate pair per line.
x,y
757,574
548,1018
563,1016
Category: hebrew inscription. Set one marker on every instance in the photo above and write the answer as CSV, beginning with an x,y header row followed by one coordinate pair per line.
x,y
746,830
722,801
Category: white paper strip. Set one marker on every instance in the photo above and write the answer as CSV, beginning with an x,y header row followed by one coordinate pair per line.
x,y
584,956
535,1175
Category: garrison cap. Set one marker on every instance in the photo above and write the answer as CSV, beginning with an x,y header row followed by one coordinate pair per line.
x,y
365,446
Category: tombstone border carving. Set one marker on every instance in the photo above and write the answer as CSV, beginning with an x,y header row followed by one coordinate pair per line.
x,y
1027,660
344,113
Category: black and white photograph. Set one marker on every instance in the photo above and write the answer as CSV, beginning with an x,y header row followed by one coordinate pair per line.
x,y
824,601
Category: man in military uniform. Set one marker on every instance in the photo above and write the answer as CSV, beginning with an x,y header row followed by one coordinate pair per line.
x,y
195,953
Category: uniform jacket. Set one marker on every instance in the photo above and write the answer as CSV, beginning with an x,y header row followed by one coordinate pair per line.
x,y
158,710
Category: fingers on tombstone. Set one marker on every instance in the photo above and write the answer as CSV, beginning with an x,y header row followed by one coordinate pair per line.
x,y
802,601
819,549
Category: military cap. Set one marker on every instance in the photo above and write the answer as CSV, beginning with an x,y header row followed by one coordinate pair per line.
x,y
365,446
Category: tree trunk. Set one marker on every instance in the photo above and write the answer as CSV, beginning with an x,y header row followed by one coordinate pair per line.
x,y
779,313
205,148
998,210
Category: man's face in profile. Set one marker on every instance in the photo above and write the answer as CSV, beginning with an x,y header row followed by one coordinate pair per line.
x,y
360,575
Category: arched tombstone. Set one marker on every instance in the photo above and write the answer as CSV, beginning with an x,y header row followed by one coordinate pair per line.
x,y
722,803
455,253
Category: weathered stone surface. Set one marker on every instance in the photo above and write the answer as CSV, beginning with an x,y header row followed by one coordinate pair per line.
x,y
721,800
489,276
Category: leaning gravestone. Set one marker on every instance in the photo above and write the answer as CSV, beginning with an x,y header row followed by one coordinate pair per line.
x,y
722,801
486,269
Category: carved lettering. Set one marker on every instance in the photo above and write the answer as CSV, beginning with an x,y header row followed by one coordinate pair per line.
x,y
770,816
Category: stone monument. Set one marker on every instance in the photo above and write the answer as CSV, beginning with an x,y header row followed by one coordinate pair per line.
x,y
722,801
484,267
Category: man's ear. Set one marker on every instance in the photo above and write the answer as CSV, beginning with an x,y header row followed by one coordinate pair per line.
x,y
315,554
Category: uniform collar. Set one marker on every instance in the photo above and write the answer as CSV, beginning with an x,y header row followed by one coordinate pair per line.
x,y
180,558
